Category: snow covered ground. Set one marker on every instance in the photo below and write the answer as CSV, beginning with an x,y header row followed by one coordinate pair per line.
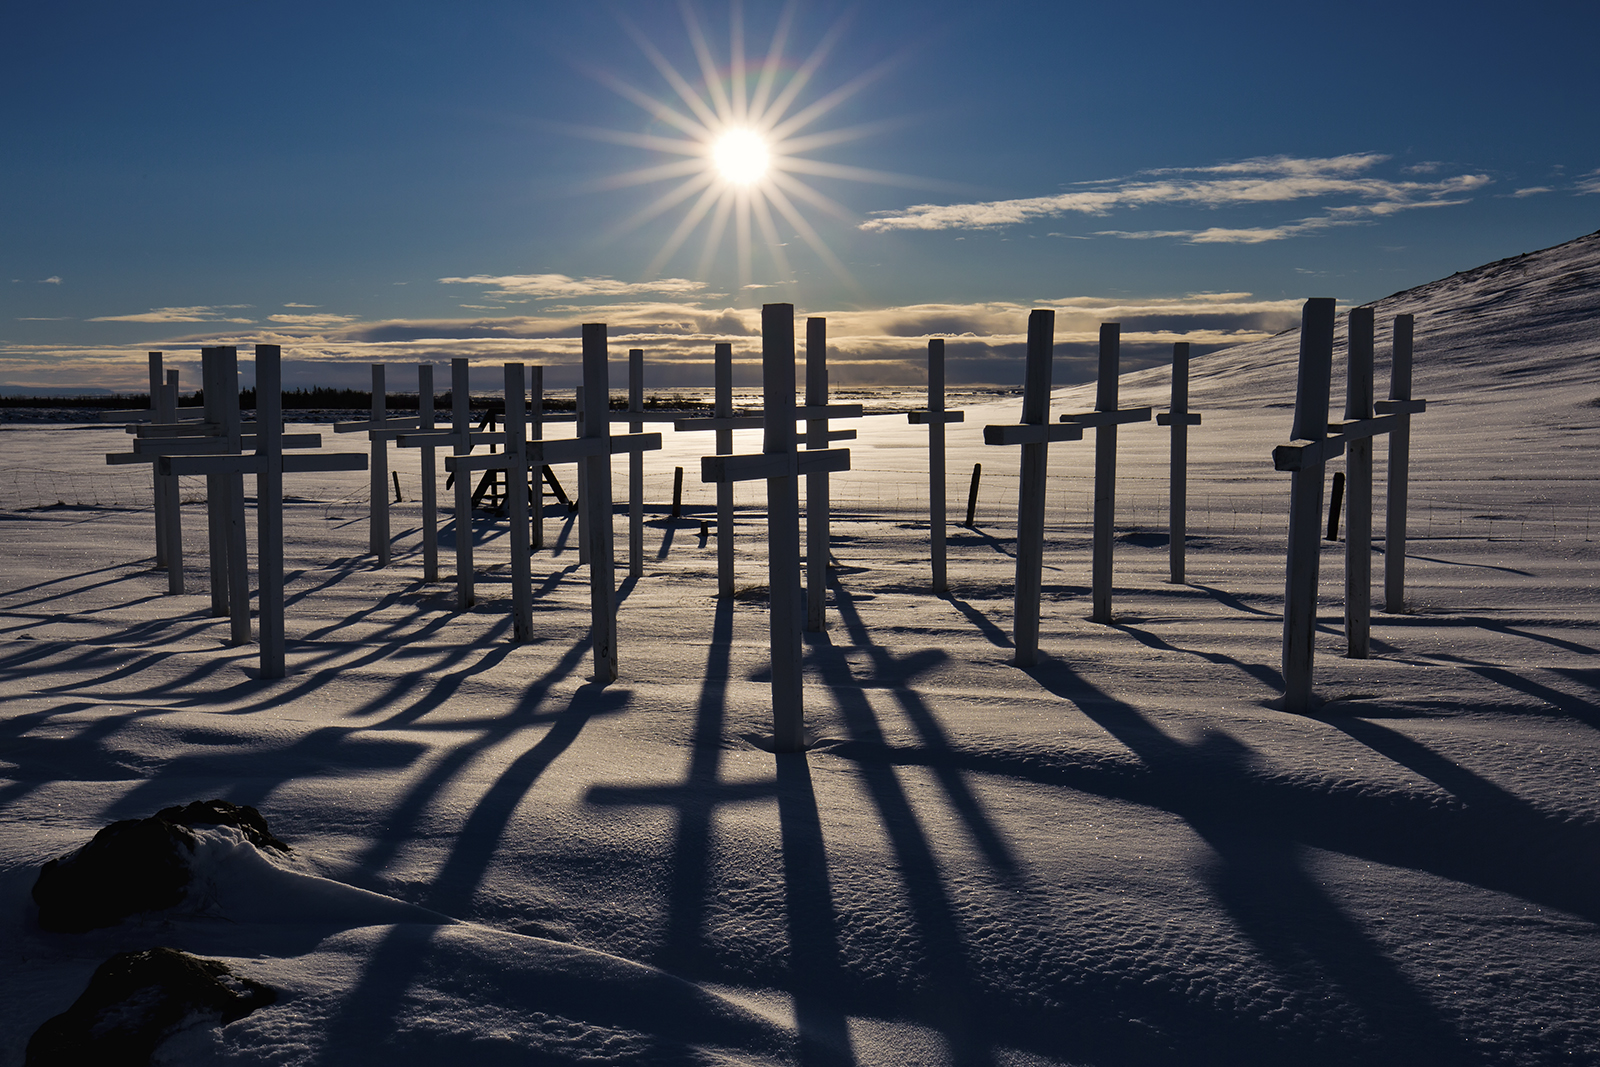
x,y
1123,856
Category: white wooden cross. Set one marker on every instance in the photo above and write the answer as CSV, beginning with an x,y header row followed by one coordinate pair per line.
x,y
1105,418
1179,418
380,430
268,463
1033,433
1402,407
780,465
817,412
163,411
936,417
1316,441
593,451
724,422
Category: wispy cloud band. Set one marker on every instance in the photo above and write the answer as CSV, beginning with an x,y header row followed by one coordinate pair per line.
x,y
1268,180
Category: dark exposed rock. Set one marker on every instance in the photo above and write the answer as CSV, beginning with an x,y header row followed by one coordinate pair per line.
x,y
135,1001
135,865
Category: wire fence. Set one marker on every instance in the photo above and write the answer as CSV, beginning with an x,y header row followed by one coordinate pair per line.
x,y
1233,508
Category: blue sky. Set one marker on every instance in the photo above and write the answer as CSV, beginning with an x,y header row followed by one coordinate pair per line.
x,y
409,182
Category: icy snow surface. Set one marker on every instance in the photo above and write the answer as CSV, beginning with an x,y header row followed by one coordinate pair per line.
x,y
1123,856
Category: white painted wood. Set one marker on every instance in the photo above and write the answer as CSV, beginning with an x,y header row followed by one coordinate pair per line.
x,y
636,465
596,489
1105,472
516,468
1399,472
783,528
158,486
1358,487
936,417
216,484
269,509
536,472
1305,505
723,409
583,475
1033,434
1179,418
817,527
430,476
378,466
461,424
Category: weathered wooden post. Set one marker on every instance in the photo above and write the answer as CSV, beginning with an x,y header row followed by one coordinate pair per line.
x,y
592,449
596,489
158,484
635,464
723,409
1358,488
268,463
1312,451
430,475
781,465
269,509
936,417
230,594
516,467
1179,418
461,428
1105,418
378,523
972,495
1402,407
172,497
582,476
817,412
1033,433
536,475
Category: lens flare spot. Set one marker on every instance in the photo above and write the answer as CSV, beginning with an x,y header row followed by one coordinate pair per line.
x,y
741,156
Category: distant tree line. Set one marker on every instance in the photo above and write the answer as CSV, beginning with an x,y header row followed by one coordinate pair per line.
x,y
320,397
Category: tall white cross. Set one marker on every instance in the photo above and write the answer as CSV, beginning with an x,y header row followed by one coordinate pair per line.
x,y
1179,418
781,466
1105,418
1033,433
936,417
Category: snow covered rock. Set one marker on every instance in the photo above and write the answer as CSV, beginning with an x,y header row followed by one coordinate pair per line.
x,y
136,1001
136,865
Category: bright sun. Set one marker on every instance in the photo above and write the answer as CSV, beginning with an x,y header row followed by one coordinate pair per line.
x,y
741,139
741,156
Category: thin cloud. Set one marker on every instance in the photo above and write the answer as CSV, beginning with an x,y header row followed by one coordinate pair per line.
x,y
302,305
216,313
543,286
54,279
1263,181
310,320
1532,190
1590,183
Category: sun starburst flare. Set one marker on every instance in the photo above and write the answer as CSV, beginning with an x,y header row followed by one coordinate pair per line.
x,y
741,136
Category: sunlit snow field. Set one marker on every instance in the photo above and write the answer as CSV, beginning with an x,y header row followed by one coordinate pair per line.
x,y
1125,855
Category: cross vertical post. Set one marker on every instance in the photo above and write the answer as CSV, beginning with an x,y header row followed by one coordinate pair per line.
x,y
635,464
723,409
1105,471
936,417
1179,418
269,507
783,527
461,425
167,412
1305,502
1399,473
1358,488
596,489
817,533
517,504
217,506
378,527
158,484
430,475
580,430
536,473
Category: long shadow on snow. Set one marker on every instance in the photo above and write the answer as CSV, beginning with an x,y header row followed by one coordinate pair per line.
x,y
1258,877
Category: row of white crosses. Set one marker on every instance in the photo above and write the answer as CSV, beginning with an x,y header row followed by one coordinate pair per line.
x,y
1315,441
215,447
591,450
